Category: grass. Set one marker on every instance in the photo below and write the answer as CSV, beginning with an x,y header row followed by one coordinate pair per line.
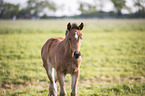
x,y
113,53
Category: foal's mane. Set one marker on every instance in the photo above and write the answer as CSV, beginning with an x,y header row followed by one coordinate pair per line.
x,y
75,26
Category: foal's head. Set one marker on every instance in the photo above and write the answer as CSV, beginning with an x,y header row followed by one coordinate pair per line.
x,y
74,37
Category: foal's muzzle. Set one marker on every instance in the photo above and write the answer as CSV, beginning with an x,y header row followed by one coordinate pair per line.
x,y
77,54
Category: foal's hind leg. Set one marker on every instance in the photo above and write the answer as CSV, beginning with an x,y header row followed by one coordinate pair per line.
x,y
51,75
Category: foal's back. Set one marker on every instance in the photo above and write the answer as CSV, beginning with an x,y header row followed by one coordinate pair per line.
x,y
50,47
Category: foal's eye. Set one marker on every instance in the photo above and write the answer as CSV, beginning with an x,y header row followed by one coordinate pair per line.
x,y
69,38
81,37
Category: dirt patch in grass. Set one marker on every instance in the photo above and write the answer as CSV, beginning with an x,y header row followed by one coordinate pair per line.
x,y
104,80
108,80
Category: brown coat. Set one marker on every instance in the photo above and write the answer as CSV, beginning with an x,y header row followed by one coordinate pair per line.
x,y
63,55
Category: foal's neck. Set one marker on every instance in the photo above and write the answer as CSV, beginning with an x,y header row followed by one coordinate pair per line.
x,y
68,50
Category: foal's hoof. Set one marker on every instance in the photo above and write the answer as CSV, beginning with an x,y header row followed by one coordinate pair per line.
x,y
63,94
73,94
52,94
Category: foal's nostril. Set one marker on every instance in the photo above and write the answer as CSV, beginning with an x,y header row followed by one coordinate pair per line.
x,y
77,54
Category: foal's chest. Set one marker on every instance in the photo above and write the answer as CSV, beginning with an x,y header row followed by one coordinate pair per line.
x,y
72,66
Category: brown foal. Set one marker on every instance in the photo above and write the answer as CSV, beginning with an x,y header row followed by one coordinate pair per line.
x,y
62,56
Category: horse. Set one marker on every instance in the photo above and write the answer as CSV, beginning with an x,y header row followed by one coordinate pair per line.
x,y
61,56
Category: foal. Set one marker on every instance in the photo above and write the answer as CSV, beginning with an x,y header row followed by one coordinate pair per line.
x,y
62,56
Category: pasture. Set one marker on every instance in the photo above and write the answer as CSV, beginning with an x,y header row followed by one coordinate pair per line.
x,y
113,57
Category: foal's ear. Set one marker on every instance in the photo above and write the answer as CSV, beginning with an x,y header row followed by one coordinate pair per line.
x,y
81,26
69,26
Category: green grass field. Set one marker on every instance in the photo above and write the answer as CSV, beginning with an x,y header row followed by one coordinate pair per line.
x,y
113,57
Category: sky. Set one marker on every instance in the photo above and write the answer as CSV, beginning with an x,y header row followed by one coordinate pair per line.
x,y
70,7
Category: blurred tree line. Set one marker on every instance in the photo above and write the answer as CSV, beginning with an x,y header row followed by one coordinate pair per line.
x,y
33,9
40,8
89,10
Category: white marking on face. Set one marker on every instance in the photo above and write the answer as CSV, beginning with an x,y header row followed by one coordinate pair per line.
x,y
76,35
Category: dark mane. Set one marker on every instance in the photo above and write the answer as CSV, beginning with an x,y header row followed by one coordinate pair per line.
x,y
75,26
66,32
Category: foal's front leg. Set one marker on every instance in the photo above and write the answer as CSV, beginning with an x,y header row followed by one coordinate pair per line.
x,y
61,78
74,83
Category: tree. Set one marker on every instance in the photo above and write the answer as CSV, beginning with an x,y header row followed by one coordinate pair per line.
x,y
35,7
8,10
140,4
1,8
100,4
86,8
119,5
